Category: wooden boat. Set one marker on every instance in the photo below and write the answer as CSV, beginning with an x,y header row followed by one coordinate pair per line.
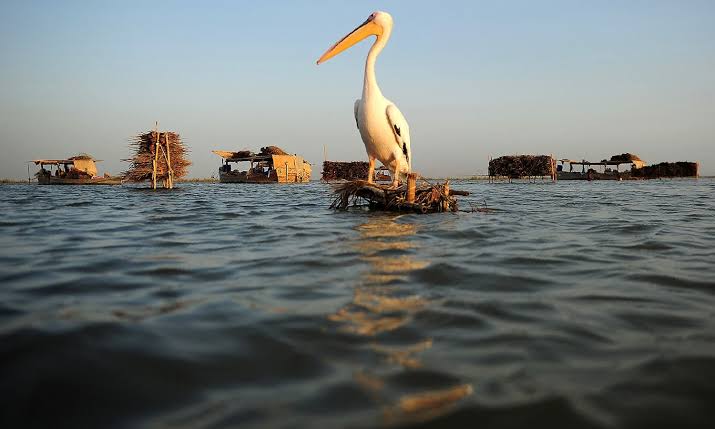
x,y
264,167
78,170
382,174
610,169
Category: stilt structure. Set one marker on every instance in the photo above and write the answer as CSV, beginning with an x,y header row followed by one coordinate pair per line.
x,y
160,156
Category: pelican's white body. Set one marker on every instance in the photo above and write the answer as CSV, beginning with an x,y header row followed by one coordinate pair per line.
x,y
377,117
383,129
378,135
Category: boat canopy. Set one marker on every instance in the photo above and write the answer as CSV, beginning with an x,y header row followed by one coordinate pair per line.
x,y
61,161
231,156
584,162
80,163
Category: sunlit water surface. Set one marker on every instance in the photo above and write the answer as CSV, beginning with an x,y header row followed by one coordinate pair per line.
x,y
570,305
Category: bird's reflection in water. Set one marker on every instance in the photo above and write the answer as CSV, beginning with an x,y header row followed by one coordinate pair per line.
x,y
382,302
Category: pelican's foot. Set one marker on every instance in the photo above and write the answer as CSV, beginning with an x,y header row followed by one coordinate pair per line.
x,y
394,185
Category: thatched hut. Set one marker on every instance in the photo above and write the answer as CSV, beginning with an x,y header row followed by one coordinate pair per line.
x,y
519,166
338,170
667,170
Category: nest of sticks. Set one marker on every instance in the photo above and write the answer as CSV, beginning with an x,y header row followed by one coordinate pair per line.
x,y
428,198
172,157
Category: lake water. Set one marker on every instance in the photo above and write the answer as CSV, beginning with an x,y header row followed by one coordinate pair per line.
x,y
210,306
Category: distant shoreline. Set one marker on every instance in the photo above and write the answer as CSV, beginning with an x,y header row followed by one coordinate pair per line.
x,y
215,180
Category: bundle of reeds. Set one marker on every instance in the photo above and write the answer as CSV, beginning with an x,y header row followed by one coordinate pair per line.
x,y
74,173
82,155
428,198
242,154
667,169
356,170
157,156
273,150
625,157
522,166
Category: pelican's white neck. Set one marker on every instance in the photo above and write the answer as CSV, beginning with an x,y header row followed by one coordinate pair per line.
x,y
370,87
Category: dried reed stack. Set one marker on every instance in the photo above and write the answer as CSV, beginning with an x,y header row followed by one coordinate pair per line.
x,y
522,166
273,150
157,156
667,169
625,157
355,170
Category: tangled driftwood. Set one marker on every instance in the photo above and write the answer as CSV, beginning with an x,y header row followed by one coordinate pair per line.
x,y
427,198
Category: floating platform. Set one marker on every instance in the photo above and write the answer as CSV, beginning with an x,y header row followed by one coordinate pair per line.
x,y
426,198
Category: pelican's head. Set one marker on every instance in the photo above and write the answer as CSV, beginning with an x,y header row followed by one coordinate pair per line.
x,y
377,24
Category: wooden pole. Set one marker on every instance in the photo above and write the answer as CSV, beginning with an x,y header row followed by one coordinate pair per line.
x,y
492,179
156,155
445,203
170,178
411,187
163,155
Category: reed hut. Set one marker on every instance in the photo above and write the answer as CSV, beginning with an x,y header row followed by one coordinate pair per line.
x,y
667,170
352,170
520,166
158,156
337,170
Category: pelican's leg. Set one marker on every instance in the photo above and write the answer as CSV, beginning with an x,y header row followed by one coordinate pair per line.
x,y
371,169
396,175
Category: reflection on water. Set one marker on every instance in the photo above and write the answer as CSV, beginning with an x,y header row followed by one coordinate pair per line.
x,y
379,305
382,302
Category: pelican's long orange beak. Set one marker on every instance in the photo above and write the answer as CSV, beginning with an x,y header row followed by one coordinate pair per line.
x,y
366,29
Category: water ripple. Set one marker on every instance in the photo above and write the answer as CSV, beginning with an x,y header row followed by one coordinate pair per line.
x,y
572,305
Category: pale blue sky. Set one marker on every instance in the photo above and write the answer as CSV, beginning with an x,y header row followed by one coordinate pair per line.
x,y
579,79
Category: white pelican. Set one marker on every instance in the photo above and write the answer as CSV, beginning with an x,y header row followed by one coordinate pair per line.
x,y
382,127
